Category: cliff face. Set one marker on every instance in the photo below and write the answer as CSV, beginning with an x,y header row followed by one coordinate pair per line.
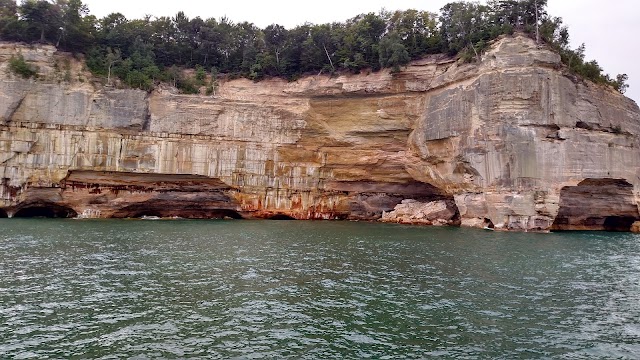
x,y
511,142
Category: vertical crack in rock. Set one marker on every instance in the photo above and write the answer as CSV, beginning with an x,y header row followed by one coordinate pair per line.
x,y
13,156
119,154
12,111
146,123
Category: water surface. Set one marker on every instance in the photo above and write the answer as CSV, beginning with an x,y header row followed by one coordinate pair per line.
x,y
290,289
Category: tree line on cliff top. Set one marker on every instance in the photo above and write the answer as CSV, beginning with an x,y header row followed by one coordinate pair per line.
x,y
141,52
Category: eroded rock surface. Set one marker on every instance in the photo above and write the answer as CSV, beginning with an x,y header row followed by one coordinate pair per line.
x,y
597,204
503,141
410,211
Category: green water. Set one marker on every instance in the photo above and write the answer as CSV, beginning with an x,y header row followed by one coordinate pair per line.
x,y
283,289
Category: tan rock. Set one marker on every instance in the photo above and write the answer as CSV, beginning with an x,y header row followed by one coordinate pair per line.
x,y
509,139
410,211
474,223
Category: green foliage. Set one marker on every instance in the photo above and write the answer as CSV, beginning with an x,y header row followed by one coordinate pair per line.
x,y
417,30
201,75
620,83
10,26
42,20
140,52
557,36
176,77
213,85
187,86
77,28
138,79
20,67
463,24
393,53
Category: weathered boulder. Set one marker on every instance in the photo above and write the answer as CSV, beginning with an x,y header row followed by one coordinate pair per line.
x,y
410,211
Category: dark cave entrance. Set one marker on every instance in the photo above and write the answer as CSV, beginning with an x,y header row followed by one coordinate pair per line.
x,y
488,224
597,204
3,214
45,211
143,214
618,223
190,212
224,214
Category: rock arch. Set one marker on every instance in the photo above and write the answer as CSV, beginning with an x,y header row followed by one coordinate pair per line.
x,y
597,204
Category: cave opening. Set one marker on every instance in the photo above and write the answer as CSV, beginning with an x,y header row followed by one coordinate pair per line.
x,y
597,204
224,213
45,211
488,224
145,214
618,223
3,214
281,217
191,212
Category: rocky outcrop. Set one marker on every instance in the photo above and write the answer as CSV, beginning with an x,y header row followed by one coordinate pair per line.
x,y
508,141
415,212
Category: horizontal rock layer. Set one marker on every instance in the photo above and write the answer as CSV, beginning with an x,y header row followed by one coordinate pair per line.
x,y
513,141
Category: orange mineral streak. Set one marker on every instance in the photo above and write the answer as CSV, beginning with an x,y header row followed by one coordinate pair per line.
x,y
507,141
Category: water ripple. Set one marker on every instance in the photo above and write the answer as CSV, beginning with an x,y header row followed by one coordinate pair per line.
x,y
217,289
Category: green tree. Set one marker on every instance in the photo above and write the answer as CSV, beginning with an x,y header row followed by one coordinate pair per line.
x,y
368,30
393,53
8,8
10,26
620,83
201,75
418,31
76,32
464,25
275,37
141,51
42,18
113,57
113,31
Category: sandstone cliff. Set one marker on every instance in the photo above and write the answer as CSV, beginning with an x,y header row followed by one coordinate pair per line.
x,y
512,141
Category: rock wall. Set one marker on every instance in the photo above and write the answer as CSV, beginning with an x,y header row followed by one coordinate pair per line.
x,y
499,142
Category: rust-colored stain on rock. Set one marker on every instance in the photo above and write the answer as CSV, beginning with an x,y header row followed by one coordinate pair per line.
x,y
509,141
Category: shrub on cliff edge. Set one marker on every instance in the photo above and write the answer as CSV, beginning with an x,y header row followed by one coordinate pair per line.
x,y
20,67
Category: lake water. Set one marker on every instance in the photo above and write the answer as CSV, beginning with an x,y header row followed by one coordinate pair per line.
x,y
292,289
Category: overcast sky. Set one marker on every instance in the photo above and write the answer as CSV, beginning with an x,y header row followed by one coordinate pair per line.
x,y
610,29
